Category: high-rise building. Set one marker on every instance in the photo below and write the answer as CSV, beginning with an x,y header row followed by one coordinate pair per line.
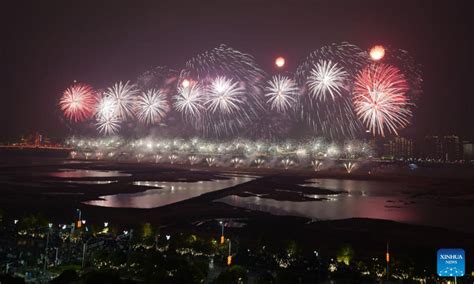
x,y
451,148
399,147
432,148
467,150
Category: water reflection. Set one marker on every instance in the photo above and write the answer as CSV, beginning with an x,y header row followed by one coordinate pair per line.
x,y
365,199
75,173
90,181
164,193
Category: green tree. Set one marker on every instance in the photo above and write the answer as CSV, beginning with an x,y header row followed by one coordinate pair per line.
x,y
234,274
345,254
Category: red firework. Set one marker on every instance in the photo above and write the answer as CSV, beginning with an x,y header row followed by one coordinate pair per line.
x,y
78,102
380,99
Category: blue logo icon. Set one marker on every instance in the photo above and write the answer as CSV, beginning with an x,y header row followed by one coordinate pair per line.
x,y
451,262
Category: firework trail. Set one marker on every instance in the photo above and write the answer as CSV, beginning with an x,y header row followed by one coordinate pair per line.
x,y
316,164
281,93
259,162
287,163
211,161
160,78
349,166
78,102
192,159
380,100
408,67
151,107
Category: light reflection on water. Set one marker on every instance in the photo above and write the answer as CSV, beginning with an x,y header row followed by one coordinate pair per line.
x,y
90,181
364,199
164,193
72,173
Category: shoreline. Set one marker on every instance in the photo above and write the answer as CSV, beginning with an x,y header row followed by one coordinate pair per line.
x,y
17,201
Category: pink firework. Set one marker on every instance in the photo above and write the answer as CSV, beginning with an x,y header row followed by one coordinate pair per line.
x,y
380,99
78,102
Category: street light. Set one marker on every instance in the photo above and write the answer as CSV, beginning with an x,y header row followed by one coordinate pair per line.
x,y
222,232
79,224
229,257
106,224
50,225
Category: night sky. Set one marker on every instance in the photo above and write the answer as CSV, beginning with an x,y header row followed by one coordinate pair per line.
x,y
48,44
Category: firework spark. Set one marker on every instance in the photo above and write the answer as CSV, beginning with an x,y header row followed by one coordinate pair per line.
x,y
330,114
377,52
151,107
316,165
190,100
327,79
211,161
78,102
349,166
108,125
224,96
106,107
380,100
123,96
281,93
259,162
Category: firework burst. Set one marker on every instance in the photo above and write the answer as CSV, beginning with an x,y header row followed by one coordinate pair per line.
x,y
224,96
108,125
281,93
232,86
123,96
78,102
151,106
327,79
380,100
189,100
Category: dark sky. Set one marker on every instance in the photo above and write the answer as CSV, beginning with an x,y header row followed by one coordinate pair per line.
x,y
48,44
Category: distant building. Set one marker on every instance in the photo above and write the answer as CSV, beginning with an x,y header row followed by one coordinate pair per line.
x,y
451,148
399,147
467,150
432,148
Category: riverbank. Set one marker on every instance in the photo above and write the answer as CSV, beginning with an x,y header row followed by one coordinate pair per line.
x,y
25,190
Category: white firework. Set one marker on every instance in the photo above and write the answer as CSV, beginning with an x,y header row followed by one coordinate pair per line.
x,y
108,124
282,93
124,98
151,106
189,100
225,96
106,107
326,79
